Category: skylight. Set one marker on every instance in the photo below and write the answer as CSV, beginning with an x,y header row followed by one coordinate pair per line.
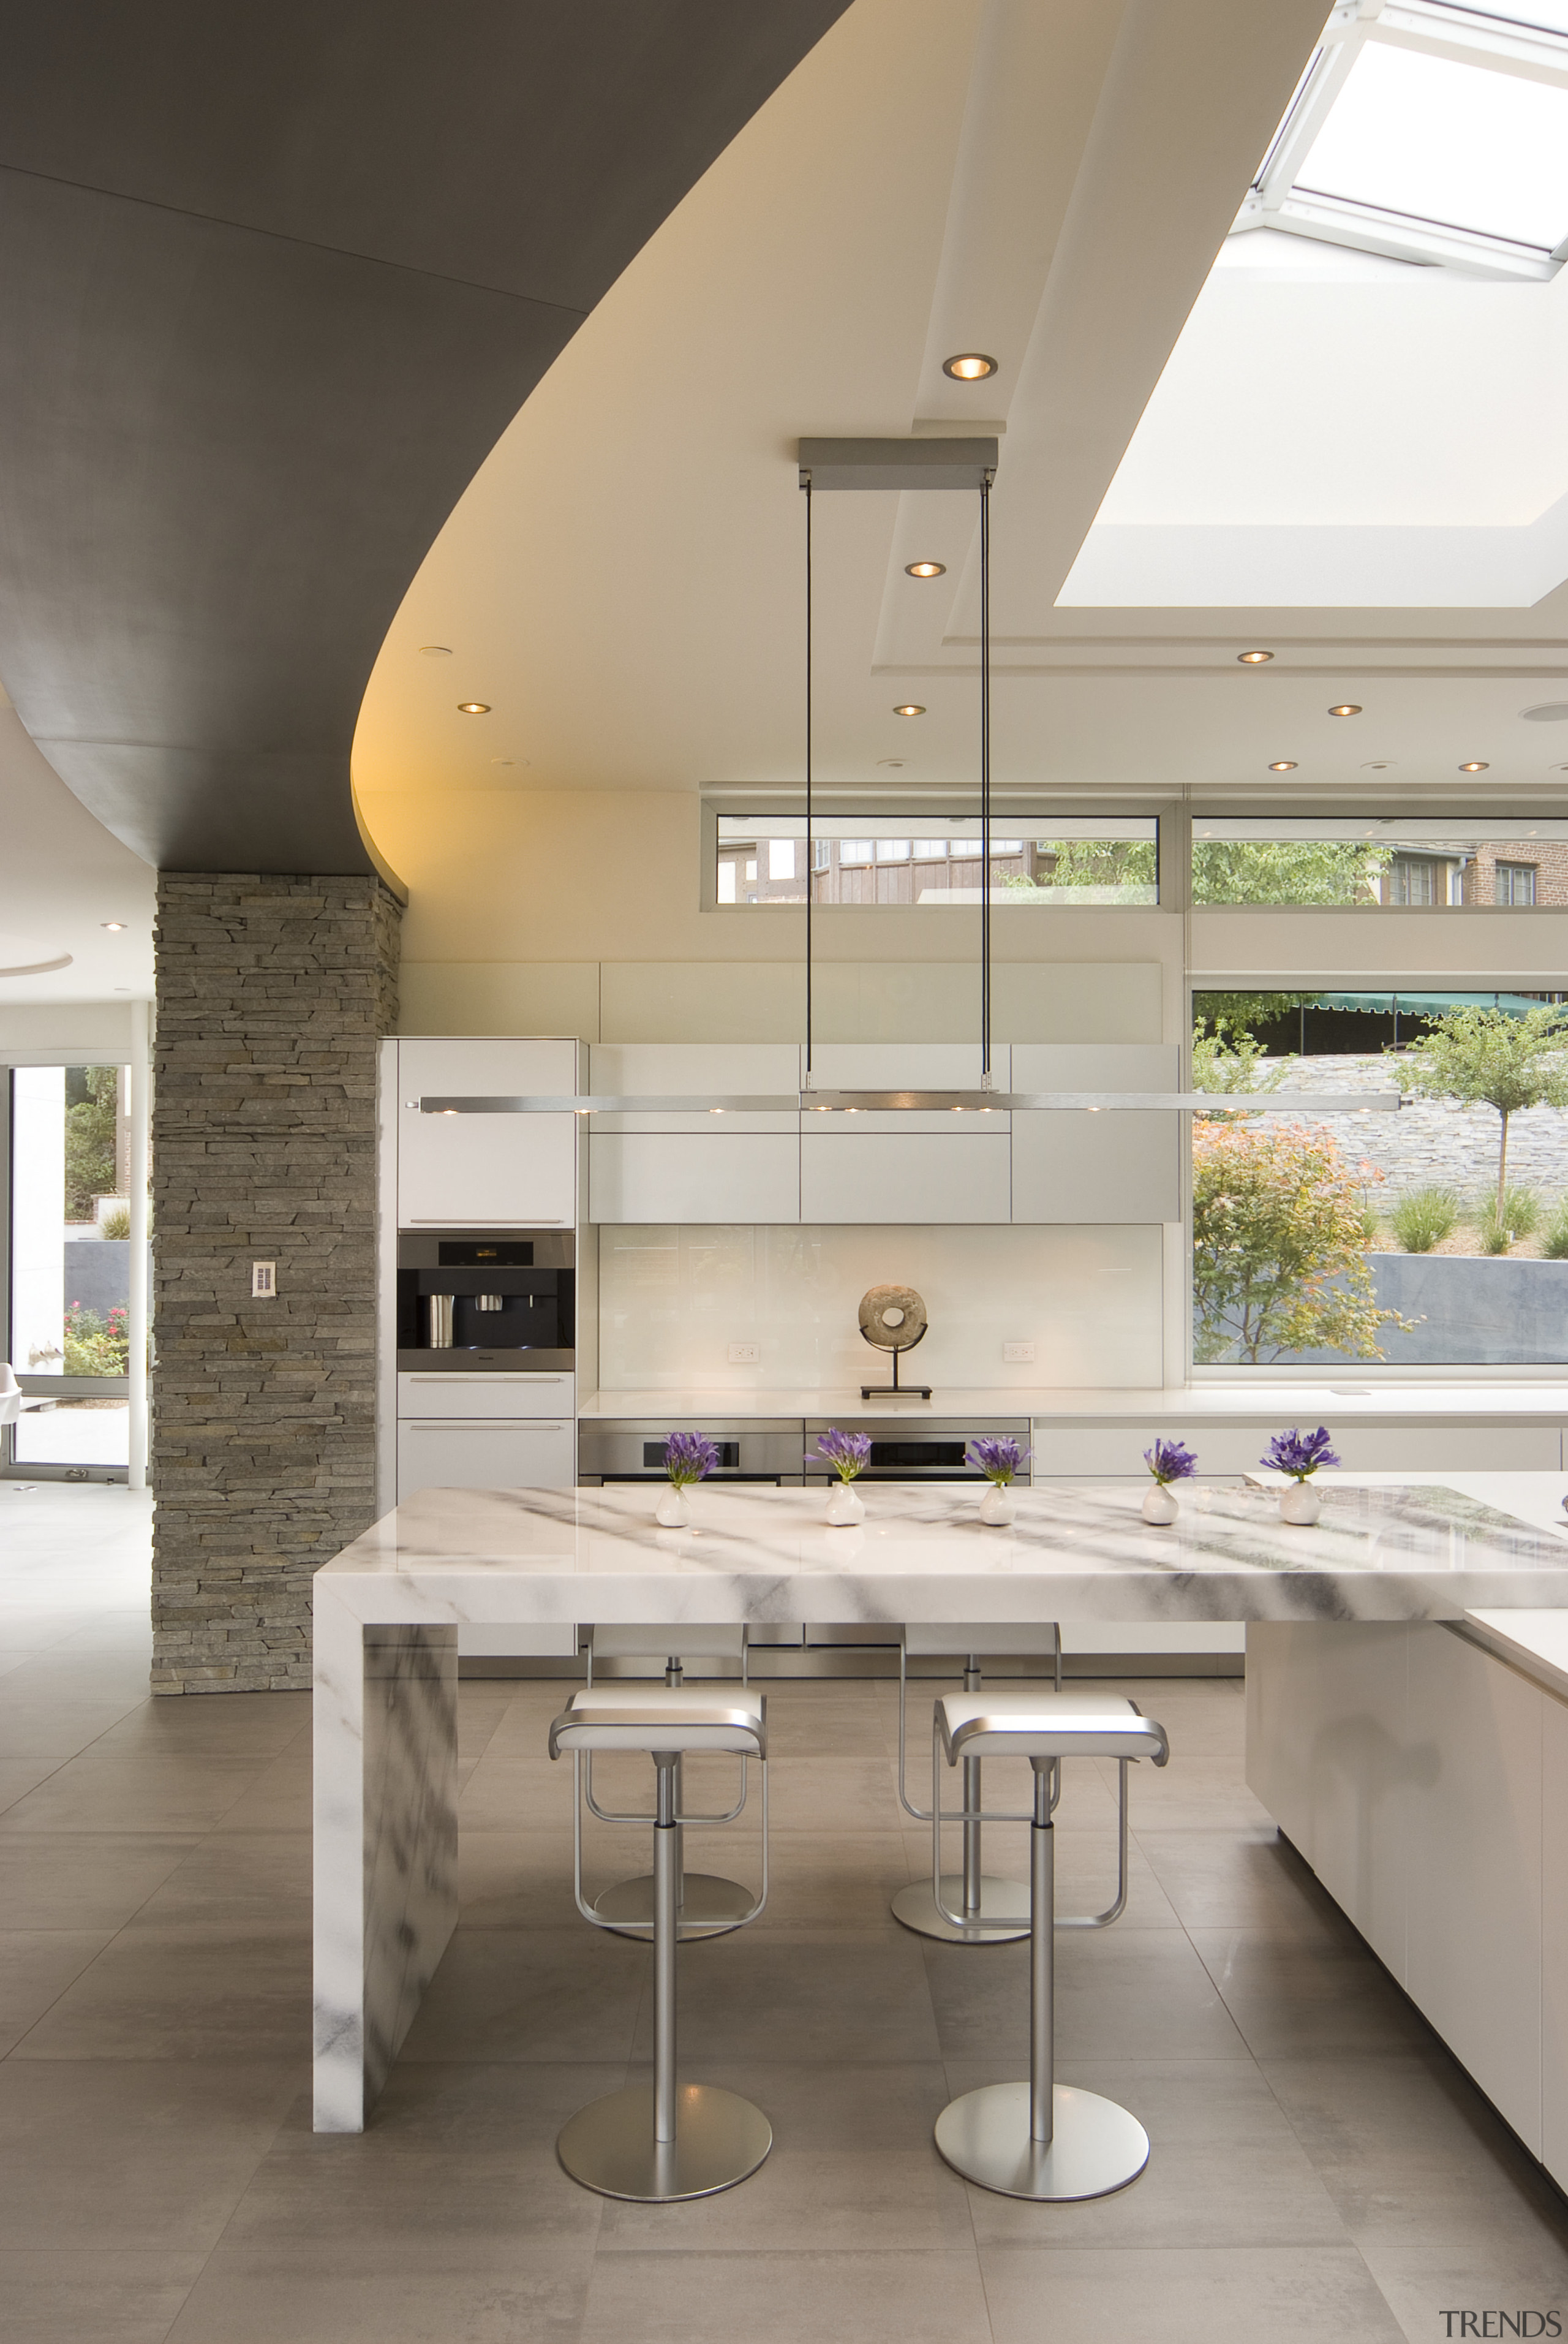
x,y
1430,133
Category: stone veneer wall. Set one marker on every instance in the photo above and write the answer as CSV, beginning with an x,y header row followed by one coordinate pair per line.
x,y
272,993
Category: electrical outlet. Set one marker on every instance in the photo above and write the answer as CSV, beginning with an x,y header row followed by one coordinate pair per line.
x,y
745,1355
263,1280
1018,1354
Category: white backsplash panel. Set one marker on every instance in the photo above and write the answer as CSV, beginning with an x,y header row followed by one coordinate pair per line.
x,y
672,1301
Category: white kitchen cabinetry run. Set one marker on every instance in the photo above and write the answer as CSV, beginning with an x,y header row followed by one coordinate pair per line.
x,y
1426,1782
1070,1448
906,1168
485,1452
485,1171
1088,1167
670,1166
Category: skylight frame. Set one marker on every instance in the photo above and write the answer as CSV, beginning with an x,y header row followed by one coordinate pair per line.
x,y
1437,29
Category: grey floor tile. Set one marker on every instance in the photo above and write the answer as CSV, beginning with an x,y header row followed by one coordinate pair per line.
x,y
84,1880
1225,2167
535,2300
234,1878
852,2166
1482,2265
38,1724
20,1776
1176,2295
816,1997
108,2296
933,2297
565,1993
37,1966
140,2153
1139,1995
240,1723
1290,1999
1248,1879
203,1990
136,1791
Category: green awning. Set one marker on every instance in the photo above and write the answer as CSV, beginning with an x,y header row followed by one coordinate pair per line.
x,y
1426,1004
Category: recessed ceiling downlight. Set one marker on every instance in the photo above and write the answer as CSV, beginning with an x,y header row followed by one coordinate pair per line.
x,y
1283,765
473,707
940,569
1254,658
909,708
115,925
1346,708
1550,712
1476,765
969,366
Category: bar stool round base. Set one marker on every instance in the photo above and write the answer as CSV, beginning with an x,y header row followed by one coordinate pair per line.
x,y
710,1907
719,2139
1096,2147
1004,1910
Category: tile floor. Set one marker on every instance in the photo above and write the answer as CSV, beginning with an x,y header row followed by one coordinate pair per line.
x,y
1321,2167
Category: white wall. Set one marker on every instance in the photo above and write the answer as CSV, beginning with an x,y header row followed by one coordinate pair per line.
x,y
671,1301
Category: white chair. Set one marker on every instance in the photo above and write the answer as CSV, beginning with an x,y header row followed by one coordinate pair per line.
x,y
709,1904
654,2143
1038,2138
993,1909
10,1394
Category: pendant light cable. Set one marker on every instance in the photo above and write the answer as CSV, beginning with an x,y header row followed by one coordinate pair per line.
x,y
985,779
810,851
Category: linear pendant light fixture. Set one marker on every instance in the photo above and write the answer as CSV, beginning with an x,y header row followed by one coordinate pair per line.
x,y
891,465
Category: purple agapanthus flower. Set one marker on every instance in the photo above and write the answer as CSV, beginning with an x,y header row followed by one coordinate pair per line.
x,y
688,1456
847,1453
998,1458
1299,1453
1167,1460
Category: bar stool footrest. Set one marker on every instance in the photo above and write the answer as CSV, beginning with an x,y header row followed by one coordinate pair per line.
x,y
1097,2147
1004,1910
609,2145
710,1907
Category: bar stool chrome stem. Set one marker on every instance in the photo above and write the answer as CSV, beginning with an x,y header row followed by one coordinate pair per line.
x,y
1038,2138
991,1911
662,2141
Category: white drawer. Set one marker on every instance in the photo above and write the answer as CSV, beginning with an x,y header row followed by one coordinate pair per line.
x,y
485,1454
435,1394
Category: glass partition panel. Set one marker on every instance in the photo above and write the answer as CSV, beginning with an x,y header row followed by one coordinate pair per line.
x,y
70,1263
1376,861
871,860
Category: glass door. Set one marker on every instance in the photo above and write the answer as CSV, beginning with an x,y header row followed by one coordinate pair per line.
x,y
69,1263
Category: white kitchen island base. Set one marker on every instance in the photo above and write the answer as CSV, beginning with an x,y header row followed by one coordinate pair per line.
x,y
388,1610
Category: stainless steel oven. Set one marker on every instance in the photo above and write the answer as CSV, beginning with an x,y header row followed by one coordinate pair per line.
x,y
623,1448
922,1449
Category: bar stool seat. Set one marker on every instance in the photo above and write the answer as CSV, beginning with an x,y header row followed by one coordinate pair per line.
x,y
657,2143
1038,2138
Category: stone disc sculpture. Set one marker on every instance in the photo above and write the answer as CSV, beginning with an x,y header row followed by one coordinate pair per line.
x,y
893,1318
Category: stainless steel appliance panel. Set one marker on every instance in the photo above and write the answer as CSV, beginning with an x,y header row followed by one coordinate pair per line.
x,y
614,1448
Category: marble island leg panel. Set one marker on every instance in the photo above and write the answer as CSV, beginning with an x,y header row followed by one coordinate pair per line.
x,y
386,1755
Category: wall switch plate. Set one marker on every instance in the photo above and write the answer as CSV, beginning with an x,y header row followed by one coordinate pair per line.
x,y
1018,1354
263,1280
745,1355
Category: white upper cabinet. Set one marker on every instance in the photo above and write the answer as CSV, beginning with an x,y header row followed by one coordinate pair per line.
x,y
1116,1165
485,1171
938,1166
695,1165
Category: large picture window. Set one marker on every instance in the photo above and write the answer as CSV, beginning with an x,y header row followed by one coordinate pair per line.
x,y
934,862
1436,1236
1377,864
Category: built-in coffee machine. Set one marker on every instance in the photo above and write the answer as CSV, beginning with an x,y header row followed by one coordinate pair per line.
x,y
468,1302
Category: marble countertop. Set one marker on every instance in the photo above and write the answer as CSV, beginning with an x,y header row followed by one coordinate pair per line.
x,y
1268,1402
1411,1550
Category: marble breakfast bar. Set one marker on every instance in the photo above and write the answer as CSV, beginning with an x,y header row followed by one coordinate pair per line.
x,y
388,1609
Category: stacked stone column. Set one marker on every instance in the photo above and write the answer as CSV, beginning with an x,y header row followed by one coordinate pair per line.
x,y
272,993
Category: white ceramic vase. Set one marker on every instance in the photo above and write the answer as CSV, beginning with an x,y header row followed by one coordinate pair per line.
x,y
844,1507
1160,1503
1300,1504
998,1506
673,1511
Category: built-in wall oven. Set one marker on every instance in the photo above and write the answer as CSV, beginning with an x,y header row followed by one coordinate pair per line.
x,y
916,1449
632,1449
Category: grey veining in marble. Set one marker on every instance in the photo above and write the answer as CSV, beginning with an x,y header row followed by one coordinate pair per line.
x,y
387,1610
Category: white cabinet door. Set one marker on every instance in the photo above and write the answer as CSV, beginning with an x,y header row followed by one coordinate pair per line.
x,y
1555,1939
674,1069
868,1177
1473,1761
485,1454
673,1176
485,1171
433,1394
1087,1167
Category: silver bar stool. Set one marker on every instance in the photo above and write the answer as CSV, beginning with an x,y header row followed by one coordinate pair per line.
x,y
653,2142
993,1911
1040,2138
709,1904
